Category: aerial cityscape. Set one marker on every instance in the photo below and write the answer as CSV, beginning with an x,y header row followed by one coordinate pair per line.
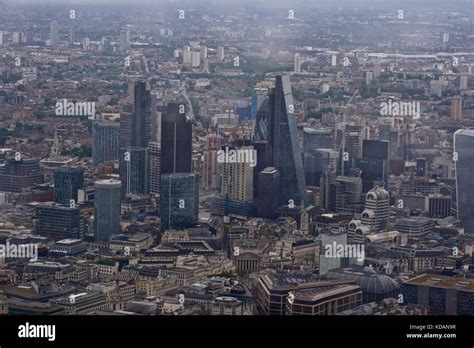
x,y
180,158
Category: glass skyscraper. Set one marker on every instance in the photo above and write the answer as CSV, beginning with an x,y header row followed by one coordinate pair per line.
x,y
67,181
276,124
179,200
464,151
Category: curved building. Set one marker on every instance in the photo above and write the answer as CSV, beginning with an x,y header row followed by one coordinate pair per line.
x,y
107,209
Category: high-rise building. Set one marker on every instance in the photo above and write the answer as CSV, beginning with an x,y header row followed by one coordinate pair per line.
x,y
345,195
176,140
135,133
456,108
237,179
54,33
464,151
71,37
374,163
105,141
58,221
220,53
438,206
210,170
179,200
67,182
268,192
276,124
154,159
298,61
107,209
314,139
17,176
463,82
377,209
124,40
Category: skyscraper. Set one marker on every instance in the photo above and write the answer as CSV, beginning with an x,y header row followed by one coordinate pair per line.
x,y
268,188
456,108
154,160
179,200
176,140
54,33
276,124
105,141
67,182
135,133
374,163
464,151
107,209
124,40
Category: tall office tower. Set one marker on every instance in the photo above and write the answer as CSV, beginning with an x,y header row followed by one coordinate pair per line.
x,y
237,179
374,163
210,170
258,95
105,141
318,162
19,175
276,124
421,167
187,55
353,135
29,36
268,188
445,37
54,33
438,206
456,108
345,195
135,134
124,40
369,76
154,158
1,38
203,50
298,61
314,139
71,37
179,200
463,82
176,140
16,37
67,182
107,209
464,150
195,58
58,222
377,209
220,53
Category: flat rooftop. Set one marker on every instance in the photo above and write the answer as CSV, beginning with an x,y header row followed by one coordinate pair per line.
x,y
440,281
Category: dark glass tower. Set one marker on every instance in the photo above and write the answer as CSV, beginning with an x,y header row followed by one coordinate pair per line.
x,y
374,163
67,181
176,140
179,200
135,133
276,124
464,150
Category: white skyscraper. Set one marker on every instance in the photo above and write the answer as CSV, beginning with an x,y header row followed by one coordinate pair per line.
x,y
220,53
298,62
54,33
124,40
